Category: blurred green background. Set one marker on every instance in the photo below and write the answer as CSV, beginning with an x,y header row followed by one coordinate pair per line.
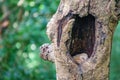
x,y
22,31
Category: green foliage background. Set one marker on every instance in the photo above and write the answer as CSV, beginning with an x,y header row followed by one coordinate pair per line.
x,y
19,43
115,55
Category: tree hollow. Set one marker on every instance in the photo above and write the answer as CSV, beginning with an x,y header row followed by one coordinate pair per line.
x,y
83,35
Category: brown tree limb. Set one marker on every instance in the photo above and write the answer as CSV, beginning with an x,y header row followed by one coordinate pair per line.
x,y
83,26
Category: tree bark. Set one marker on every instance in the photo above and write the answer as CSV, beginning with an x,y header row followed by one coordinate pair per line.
x,y
82,27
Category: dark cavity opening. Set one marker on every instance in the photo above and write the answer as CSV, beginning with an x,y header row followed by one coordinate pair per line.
x,y
83,35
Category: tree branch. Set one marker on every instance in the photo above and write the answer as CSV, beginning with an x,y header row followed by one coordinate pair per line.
x,y
47,52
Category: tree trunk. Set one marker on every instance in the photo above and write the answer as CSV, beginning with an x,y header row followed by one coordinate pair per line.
x,y
82,27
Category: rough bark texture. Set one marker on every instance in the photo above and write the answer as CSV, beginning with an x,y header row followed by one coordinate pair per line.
x,y
82,26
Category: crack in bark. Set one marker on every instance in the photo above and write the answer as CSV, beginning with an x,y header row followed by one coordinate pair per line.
x,y
88,6
61,24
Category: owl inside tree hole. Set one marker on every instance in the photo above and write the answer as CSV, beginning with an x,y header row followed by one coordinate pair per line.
x,y
81,43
